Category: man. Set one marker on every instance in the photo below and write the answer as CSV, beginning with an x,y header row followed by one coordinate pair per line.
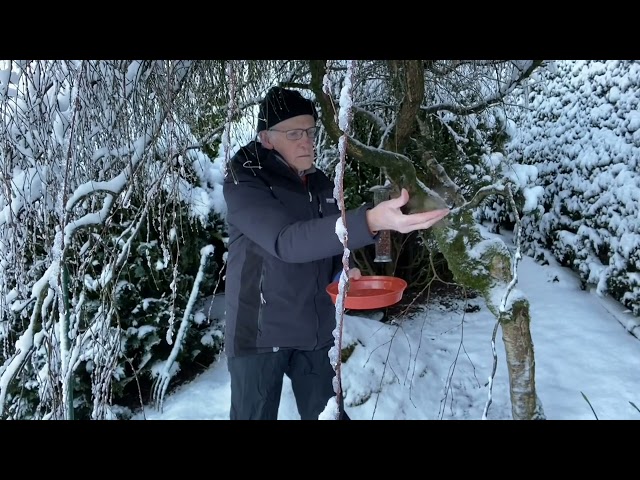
x,y
283,252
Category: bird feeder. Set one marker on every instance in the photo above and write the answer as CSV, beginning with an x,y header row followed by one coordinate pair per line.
x,y
383,243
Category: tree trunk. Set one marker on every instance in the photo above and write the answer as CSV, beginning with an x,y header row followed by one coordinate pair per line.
x,y
521,362
485,266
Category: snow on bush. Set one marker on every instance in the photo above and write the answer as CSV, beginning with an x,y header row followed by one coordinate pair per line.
x,y
578,125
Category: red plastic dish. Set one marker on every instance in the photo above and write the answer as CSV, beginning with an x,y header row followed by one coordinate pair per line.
x,y
370,292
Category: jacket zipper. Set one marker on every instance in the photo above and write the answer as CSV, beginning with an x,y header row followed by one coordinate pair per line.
x,y
313,215
262,300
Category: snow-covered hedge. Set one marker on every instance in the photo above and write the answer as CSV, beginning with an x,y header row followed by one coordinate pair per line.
x,y
578,124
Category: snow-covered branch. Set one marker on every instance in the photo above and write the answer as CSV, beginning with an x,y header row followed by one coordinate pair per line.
x,y
481,194
166,372
345,115
517,255
520,70
23,345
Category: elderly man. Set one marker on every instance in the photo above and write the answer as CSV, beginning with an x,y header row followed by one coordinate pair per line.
x,y
283,252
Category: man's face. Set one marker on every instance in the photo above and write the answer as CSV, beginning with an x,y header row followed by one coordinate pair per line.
x,y
297,153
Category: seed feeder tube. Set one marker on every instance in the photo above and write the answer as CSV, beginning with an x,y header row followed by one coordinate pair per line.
x,y
383,243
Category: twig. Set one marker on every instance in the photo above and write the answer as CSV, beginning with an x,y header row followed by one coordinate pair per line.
x,y
591,407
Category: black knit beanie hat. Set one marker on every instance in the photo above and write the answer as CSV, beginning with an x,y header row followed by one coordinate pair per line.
x,y
280,104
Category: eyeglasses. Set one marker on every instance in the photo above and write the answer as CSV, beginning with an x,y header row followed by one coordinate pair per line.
x,y
296,133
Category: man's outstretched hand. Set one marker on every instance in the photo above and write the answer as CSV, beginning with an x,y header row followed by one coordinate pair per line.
x,y
387,215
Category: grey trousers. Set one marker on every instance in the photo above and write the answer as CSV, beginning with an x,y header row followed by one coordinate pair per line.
x,y
256,383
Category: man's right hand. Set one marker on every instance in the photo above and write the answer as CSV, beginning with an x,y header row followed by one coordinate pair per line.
x,y
388,216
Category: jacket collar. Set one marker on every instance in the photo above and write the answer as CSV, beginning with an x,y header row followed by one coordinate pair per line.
x,y
254,155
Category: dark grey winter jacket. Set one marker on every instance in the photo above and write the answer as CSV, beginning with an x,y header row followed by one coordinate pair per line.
x,y
283,252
